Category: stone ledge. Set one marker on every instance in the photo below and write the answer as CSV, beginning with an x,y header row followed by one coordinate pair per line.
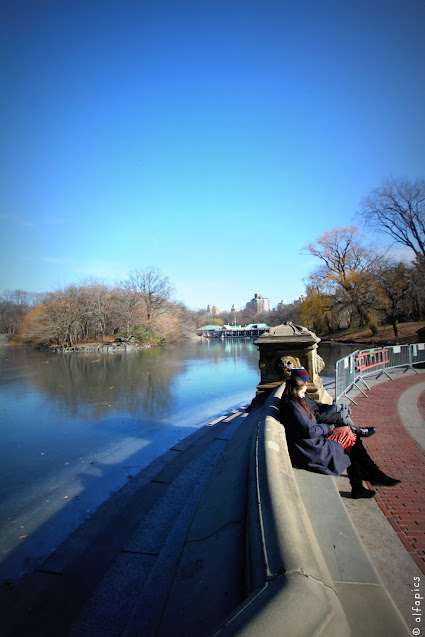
x,y
309,571
306,526
293,576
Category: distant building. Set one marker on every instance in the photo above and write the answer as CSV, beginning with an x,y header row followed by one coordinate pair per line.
x,y
232,331
234,308
300,300
258,304
281,306
213,310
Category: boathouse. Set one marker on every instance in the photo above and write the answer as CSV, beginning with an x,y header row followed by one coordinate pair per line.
x,y
232,331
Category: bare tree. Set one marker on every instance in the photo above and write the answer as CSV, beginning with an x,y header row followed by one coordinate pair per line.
x,y
138,307
398,209
128,308
13,307
98,306
57,320
347,267
36,328
417,289
154,288
392,283
316,308
63,310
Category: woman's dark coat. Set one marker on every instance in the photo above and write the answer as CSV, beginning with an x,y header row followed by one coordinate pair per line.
x,y
324,413
308,443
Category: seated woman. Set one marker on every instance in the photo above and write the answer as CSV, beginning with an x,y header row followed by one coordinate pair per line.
x,y
337,414
321,448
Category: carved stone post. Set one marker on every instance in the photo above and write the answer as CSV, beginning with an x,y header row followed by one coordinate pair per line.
x,y
287,346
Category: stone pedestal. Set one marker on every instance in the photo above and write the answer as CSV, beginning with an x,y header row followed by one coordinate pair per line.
x,y
287,346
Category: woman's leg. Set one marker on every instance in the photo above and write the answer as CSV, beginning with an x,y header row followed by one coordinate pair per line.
x,y
355,475
353,447
369,470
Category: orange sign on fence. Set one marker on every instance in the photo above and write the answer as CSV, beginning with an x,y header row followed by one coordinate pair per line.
x,y
370,359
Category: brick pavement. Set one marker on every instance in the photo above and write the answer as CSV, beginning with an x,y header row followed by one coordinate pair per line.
x,y
399,455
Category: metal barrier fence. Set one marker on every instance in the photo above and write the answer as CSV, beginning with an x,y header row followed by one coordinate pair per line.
x,y
352,369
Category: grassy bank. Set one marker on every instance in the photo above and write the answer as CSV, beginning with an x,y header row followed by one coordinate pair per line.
x,y
407,334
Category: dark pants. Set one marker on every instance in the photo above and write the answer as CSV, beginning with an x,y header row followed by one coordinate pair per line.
x,y
362,466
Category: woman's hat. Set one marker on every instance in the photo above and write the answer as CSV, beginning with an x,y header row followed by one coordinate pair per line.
x,y
300,372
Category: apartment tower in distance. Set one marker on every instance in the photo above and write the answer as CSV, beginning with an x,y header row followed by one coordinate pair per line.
x,y
213,310
258,304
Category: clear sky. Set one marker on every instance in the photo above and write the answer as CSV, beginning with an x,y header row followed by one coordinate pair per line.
x,y
212,139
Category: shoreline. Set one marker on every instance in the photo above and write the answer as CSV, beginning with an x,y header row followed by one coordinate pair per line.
x,y
408,335
107,347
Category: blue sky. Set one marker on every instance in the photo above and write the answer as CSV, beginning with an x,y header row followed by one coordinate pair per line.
x,y
210,139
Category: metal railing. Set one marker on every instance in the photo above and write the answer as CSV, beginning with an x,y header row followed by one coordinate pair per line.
x,y
355,367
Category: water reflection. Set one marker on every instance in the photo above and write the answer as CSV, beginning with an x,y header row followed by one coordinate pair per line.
x,y
141,381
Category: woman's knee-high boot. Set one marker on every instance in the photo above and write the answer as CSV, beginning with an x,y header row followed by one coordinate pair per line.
x,y
355,474
370,471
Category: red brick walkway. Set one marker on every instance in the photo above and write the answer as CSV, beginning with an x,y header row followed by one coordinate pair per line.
x,y
399,455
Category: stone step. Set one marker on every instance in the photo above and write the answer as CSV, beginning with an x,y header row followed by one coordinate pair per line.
x,y
142,572
210,580
48,601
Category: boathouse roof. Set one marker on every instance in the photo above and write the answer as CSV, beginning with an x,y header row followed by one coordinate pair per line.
x,y
233,328
257,326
